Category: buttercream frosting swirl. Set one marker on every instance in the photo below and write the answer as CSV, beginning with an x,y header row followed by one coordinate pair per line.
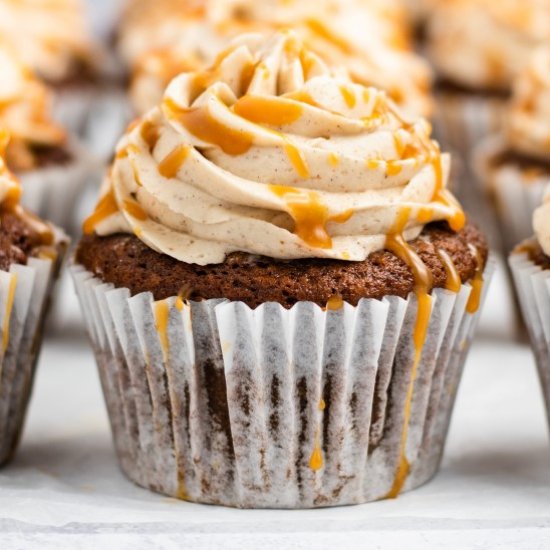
x,y
50,36
25,112
541,223
484,44
270,152
368,39
528,122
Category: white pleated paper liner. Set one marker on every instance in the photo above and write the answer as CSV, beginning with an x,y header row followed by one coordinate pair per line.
x,y
24,297
98,115
274,408
53,192
516,195
533,288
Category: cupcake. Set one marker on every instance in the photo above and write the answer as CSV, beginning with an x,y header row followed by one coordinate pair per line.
x,y
530,265
30,255
515,165
53,39
478,48
51,165
370,40
279,289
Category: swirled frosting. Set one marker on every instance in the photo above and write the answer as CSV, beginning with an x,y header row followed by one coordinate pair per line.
x,y
50,36
368,39
528,122
25,112
541,223
270,152
484,44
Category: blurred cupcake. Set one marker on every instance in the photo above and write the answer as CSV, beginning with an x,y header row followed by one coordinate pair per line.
x,y
52,38
515,165
53,168
279,288
31,252
368,39
478,48
530,264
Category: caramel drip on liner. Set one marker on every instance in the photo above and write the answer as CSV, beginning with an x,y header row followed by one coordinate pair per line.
x,y
7,315
316,460
310,215
335,302
396,243
474,301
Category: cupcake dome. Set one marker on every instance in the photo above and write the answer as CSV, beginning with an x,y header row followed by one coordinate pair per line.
x,y
269,178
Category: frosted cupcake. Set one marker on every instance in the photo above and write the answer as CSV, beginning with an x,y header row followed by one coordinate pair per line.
x,y
479,47
53,168
31,252
515,165
279,288
367,39
530,264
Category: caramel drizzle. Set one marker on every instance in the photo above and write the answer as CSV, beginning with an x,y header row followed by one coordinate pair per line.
x,y
150,133
268,110
135,210
335,302
107,206
396,243
7,316
310,215
171,164
316,460
453,282
474,301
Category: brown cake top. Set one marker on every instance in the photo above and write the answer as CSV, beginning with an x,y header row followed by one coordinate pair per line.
x,y
25,112
451,258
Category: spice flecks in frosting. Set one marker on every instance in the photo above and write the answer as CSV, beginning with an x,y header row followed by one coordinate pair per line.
x,y
222,167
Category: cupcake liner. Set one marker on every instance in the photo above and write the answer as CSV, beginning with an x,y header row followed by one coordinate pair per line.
x,y
98,115
53,192
462,119
515,197
24,294
533,288
274,408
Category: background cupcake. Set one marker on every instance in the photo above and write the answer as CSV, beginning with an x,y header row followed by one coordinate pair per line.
x,y
478,48
31,252
368,39
53,39
530,264
52,166
279,289
515,165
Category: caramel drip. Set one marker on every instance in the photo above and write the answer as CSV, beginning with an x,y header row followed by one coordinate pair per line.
x,y
316,459
297,159
474,301
150,134
458,219
333,159
7,316
349,96
135,210
171,164
310,215
268,110
335,302
322,405
179,303
393,168
453,282
396,243
303,97
162,312
107,206
206,128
